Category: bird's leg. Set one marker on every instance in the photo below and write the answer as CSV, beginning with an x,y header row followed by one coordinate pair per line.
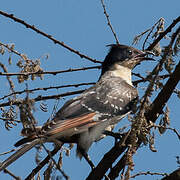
x,y
87,158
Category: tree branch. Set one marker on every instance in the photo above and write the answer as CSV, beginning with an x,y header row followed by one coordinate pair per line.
x,y
148,173
107,161
47,88
11,16
109,22
50,72
169,29
42,164
11,174
40,98
175,175
164,95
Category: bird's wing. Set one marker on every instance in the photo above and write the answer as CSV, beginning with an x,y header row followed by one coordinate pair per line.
x,y
108,98
73,118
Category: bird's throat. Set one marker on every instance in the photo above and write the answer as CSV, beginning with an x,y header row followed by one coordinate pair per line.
x,y
122,72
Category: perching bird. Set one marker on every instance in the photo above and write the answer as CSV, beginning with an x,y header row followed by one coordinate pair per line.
x,y
83,119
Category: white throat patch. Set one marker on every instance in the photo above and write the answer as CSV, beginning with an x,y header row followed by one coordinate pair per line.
x,y
123,72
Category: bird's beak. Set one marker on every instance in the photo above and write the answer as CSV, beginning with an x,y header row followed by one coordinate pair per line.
x,y
143,55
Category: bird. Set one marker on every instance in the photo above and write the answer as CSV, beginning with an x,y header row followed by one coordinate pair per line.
x,y
84,118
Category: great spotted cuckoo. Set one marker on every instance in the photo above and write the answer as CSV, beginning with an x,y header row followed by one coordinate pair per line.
x,y
83,119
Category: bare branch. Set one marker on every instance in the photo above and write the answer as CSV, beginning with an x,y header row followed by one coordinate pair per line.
x,y
151,30
148,173
106,162
40,98
109,22
42,164
170,128
11,16
169,29
12,50
175,175
145,79
7,152
164,95
138,37
59,145
11,174
47,88
11,84
51,72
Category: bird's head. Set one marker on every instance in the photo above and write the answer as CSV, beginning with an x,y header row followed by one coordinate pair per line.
x,y
123,55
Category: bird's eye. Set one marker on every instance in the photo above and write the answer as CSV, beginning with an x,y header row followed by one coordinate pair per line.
x,y
129,52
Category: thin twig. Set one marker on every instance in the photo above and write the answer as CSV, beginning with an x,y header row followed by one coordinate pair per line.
x,y
50,72
7,152
170,128
174,35
9,119
12,50
41,98
47,88
175,175
148,173
57,166
11,16
138,37
151,46
151,30
42,164
109,22
11,84
11,174
147,78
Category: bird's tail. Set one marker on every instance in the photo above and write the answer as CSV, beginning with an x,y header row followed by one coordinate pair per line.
x,y
24,141
19,153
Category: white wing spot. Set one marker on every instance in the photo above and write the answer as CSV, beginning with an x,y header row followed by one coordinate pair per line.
x,y
121,100
89,109
90,92
106,102
114,97
110,96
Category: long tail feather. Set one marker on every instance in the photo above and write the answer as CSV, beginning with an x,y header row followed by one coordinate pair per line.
x,y
19,153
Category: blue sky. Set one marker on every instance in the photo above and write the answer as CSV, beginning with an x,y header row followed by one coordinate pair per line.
x,y
83,26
